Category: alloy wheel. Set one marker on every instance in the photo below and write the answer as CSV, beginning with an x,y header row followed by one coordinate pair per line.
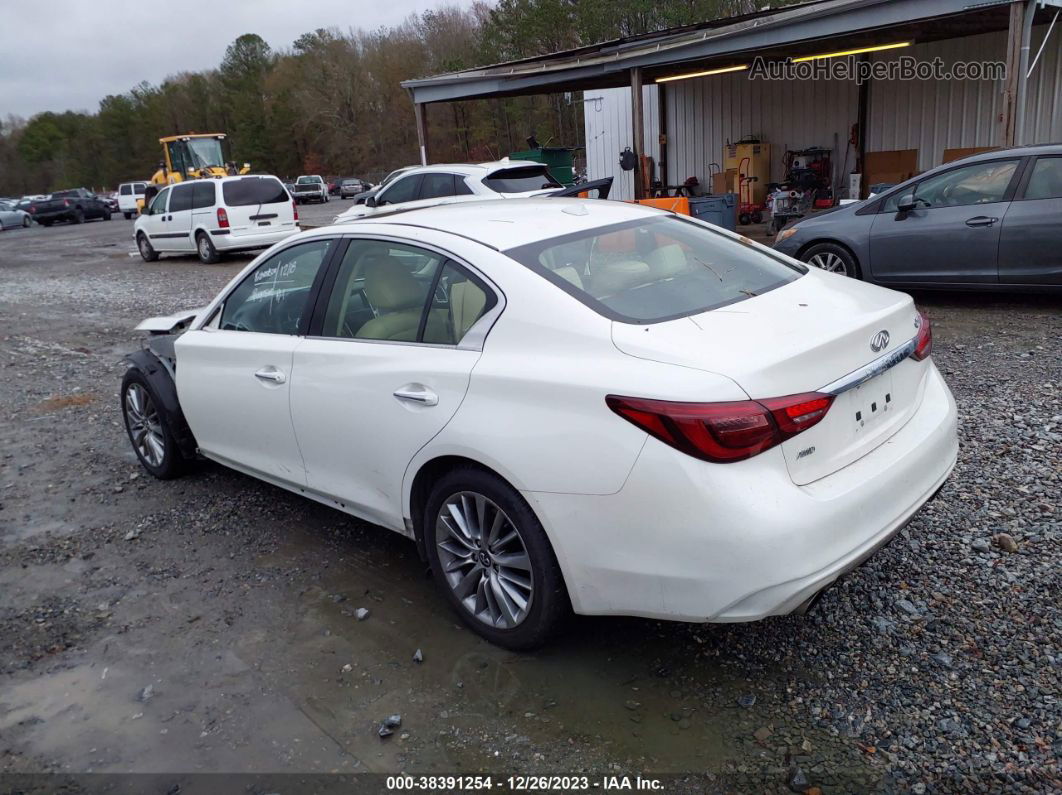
x,y
828,261
484,559
145,428
204,248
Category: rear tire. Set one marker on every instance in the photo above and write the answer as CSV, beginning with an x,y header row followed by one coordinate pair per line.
x,y
832,258
148,428
147,253
204,247
79,216
486,579
127,215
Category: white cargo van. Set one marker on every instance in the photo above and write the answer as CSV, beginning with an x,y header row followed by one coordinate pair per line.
x,y
128,193
212,216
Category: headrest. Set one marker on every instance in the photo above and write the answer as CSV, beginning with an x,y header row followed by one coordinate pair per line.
x,y
390,286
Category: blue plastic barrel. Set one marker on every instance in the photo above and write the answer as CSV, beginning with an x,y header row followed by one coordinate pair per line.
x,y
719,209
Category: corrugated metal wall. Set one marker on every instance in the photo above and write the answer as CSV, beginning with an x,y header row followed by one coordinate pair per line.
x,y
932,116
608,132
704,113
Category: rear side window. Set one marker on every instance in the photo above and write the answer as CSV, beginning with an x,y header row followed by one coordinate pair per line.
x,y
518,180
139,188
203,195
651,270
253,191
435,186
181,198
126,190
1046,179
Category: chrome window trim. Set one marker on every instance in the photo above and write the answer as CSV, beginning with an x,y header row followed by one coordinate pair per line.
x,y
884,362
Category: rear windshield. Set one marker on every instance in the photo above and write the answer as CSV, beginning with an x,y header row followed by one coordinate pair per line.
x,y
308,181
647,271
254,190
518,180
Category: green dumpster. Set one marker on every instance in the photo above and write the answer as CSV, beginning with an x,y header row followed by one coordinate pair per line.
x,y
558,159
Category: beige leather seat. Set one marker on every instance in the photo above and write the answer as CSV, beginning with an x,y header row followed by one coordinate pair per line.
x,y
397,297
609,278
667,261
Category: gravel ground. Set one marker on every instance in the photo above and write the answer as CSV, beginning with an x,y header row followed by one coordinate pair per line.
x,y
210,624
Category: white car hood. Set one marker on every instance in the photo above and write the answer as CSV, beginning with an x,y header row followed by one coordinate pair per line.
x,y
167,323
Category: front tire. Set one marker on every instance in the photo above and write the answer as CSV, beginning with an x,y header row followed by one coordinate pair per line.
x,y
26,222
106,215
148,429
832,258
492,559
204,247
147,253
127,215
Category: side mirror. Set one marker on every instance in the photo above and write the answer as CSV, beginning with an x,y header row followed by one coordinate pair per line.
x,y
906,203
370,202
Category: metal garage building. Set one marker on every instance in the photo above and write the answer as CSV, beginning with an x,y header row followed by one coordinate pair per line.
x,y
637,94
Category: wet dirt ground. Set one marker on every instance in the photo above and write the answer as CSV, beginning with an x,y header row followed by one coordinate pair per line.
x,y
207,624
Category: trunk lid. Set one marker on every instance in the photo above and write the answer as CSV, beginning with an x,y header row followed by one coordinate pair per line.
x,y
801,338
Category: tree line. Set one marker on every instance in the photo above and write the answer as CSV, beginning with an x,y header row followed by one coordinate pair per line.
x,y
332,102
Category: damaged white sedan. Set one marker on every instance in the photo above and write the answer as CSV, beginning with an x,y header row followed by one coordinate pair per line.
x,y
567,405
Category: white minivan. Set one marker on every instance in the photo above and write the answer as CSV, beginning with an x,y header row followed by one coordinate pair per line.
x,y
128,194
212,216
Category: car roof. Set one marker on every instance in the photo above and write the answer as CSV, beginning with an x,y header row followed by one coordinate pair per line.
x,y
471,169
1015,151
514,222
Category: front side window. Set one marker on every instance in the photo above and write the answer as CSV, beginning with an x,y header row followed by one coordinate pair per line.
x,y
158,204
139,188
651,270
518,180
980,183
404,190
182,198
1046,179
126,190
272,299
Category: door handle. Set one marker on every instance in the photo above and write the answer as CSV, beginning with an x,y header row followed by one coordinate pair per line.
x,y
417,393
270,374
981,220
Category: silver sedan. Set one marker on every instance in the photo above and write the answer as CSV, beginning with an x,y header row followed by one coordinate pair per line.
x,y
11,217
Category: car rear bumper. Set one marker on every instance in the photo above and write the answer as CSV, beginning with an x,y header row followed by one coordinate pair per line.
x,y
230,242
692,541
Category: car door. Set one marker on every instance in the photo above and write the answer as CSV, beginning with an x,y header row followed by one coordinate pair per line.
x,y
952,236
177,227
386,366
153,220
1030,243
234,375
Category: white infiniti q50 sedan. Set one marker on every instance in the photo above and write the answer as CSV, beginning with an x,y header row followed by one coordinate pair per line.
x,y
568,405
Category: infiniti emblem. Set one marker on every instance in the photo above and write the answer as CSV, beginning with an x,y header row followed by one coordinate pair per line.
x,y
880,341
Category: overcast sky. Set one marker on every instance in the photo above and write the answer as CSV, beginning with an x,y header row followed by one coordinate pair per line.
x,y
68,54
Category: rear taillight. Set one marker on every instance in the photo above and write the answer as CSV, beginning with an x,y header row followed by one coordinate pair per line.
x,y
66,202
223,218
724,432
924,339
295,209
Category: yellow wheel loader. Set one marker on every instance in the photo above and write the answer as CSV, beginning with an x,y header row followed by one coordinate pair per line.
x,y
192,156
